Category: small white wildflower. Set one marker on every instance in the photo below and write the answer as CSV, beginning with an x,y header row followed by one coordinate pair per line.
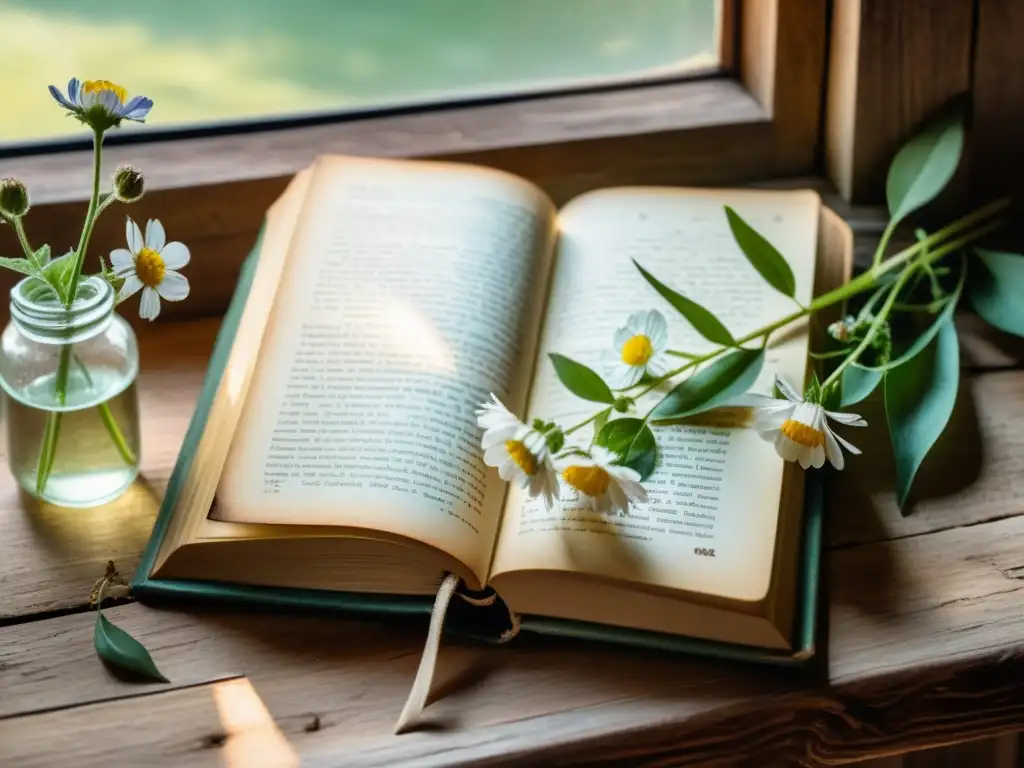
x,y
800,429
605,485
519,453
148,264
639,347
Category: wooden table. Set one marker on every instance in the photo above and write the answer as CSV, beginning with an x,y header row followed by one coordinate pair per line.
x,y
922,641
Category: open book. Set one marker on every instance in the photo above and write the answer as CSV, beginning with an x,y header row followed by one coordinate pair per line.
x,y
388,299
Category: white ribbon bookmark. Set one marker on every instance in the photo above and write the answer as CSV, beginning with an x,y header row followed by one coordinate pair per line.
x,y
420,691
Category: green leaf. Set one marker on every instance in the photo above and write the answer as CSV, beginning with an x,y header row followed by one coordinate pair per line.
x,y
997,290
762,255
703,321
924,165
857,383
580,380
21,266
919,399
633,441
123,652
930,332
41,257
728,376
57,273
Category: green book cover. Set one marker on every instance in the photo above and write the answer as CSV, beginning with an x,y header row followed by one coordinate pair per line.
x,y
485,624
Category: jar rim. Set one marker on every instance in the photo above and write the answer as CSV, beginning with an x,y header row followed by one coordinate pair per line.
x,y
38,313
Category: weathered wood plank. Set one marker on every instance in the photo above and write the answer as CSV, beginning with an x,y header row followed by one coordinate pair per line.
x,y
924,649
997,100
51,556
891,65
974,472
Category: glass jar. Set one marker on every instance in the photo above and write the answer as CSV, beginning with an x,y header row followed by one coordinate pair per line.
x,y
70,404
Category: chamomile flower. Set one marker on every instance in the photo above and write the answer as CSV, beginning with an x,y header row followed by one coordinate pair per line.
x,y
520,453
800,429
148,264
605,485
101,104
639,348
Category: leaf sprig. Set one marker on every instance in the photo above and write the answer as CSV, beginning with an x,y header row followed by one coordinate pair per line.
x,y
903,338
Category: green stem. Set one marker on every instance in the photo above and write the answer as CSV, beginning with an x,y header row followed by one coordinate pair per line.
x,y
48,450
51,431
19,228
116,435
865,281
883,242
677,353
584,423
90,217
873,329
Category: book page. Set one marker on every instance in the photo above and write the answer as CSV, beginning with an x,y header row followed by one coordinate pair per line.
x,y
411,291
710,523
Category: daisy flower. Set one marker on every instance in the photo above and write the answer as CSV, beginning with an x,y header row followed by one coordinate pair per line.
x,y
519,453
607,486
101,104
639,348
148,264
800,429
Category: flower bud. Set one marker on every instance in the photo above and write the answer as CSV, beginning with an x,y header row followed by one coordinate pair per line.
x,y
128,184
13,198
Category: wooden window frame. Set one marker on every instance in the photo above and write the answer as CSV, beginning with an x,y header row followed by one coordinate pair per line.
x,y
758,118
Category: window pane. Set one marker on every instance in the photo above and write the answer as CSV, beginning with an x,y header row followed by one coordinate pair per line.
x,y
226,60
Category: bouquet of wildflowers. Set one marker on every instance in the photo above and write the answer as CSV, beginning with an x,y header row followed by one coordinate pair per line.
x,y
148,263
896,334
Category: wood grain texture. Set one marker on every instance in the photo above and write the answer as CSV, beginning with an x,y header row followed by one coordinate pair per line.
x,y
924,656
51,556
891,65
973,474
997,97
782,63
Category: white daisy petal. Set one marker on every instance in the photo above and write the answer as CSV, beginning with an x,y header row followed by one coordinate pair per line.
x,y
174,286
617,500
846,444
498,436
622,376
637,323
149,307
787,391
508,470
656,329
833,451
600,455
133,235
786,448
659,365
849,419
121,259
495,455
155,236
817,456
132,285
175,255
622,335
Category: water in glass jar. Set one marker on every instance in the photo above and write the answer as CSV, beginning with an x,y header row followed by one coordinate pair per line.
x,y
88,468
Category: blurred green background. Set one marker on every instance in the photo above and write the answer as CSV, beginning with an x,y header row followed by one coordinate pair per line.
x,y
214,60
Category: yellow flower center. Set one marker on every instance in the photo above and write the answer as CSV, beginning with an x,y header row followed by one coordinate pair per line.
x,y
95,86
521,455
799,432
592,481
637,351
150,267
